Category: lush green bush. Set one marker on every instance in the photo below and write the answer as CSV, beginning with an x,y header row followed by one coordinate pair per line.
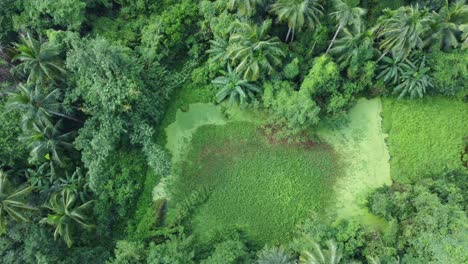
x,y
13,153
449,71
425,136
429,218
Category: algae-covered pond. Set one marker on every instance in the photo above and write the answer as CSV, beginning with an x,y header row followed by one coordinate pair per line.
x,y
267,189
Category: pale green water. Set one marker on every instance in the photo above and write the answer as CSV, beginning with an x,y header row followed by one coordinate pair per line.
x,y
361,148
180,132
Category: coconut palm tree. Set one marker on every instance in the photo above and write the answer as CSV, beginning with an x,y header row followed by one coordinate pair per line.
x,y
39,60
392,68
401,31
298,13
66,215
332,255
274,255
414,80
447,24
48,141
253,51
245,7
218,49
350,42
35,106
234,87
345,15
11,202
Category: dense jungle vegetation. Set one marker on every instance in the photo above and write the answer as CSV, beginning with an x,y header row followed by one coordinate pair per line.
x,y
234,131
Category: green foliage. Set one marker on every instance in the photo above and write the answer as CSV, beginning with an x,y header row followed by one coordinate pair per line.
x,y
228,252
66,215
127,252
12,204
42,14
12,151
294,111
291,70
298,14
280,184
401,31
449,71
176,250
317,255
417,146
245,7
169,34
252,51
48,142
414,79
39,61
431,217
325,85
35,106
447,25
234,88
274,255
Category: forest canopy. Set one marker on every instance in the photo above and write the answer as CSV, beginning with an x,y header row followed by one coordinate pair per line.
x,y
223,131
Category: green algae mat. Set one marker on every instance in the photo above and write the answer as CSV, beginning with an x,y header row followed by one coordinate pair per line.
x,y
362,151
266,189
427,136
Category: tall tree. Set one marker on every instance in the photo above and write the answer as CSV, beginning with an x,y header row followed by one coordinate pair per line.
x,y
345,14
35,106
447,25
253,51
48,142
245,7
350,42
234,87
402,30
318,255
66,215
11,202
298,13
41,61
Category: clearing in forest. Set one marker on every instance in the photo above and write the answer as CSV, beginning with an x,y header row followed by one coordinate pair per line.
x,y
266,189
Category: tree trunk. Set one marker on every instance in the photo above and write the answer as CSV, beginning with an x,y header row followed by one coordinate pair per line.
x,y
334,38
287,35
292,38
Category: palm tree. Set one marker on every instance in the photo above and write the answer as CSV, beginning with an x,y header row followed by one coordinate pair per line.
x,y
39,60
66,215
332,255
447,25
345,15
274,255
36,107
402,30
253,51
350,42
245,7
297,13
392,69
218,49
415,79
47,141
11,204
234,87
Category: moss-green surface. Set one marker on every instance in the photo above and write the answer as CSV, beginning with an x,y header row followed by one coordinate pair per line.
x,y
265,189
425,136
362,151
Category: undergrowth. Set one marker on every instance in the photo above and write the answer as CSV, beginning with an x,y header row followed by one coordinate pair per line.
x,y
425,136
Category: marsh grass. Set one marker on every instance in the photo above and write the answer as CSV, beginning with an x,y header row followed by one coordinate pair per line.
x,y
264,189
